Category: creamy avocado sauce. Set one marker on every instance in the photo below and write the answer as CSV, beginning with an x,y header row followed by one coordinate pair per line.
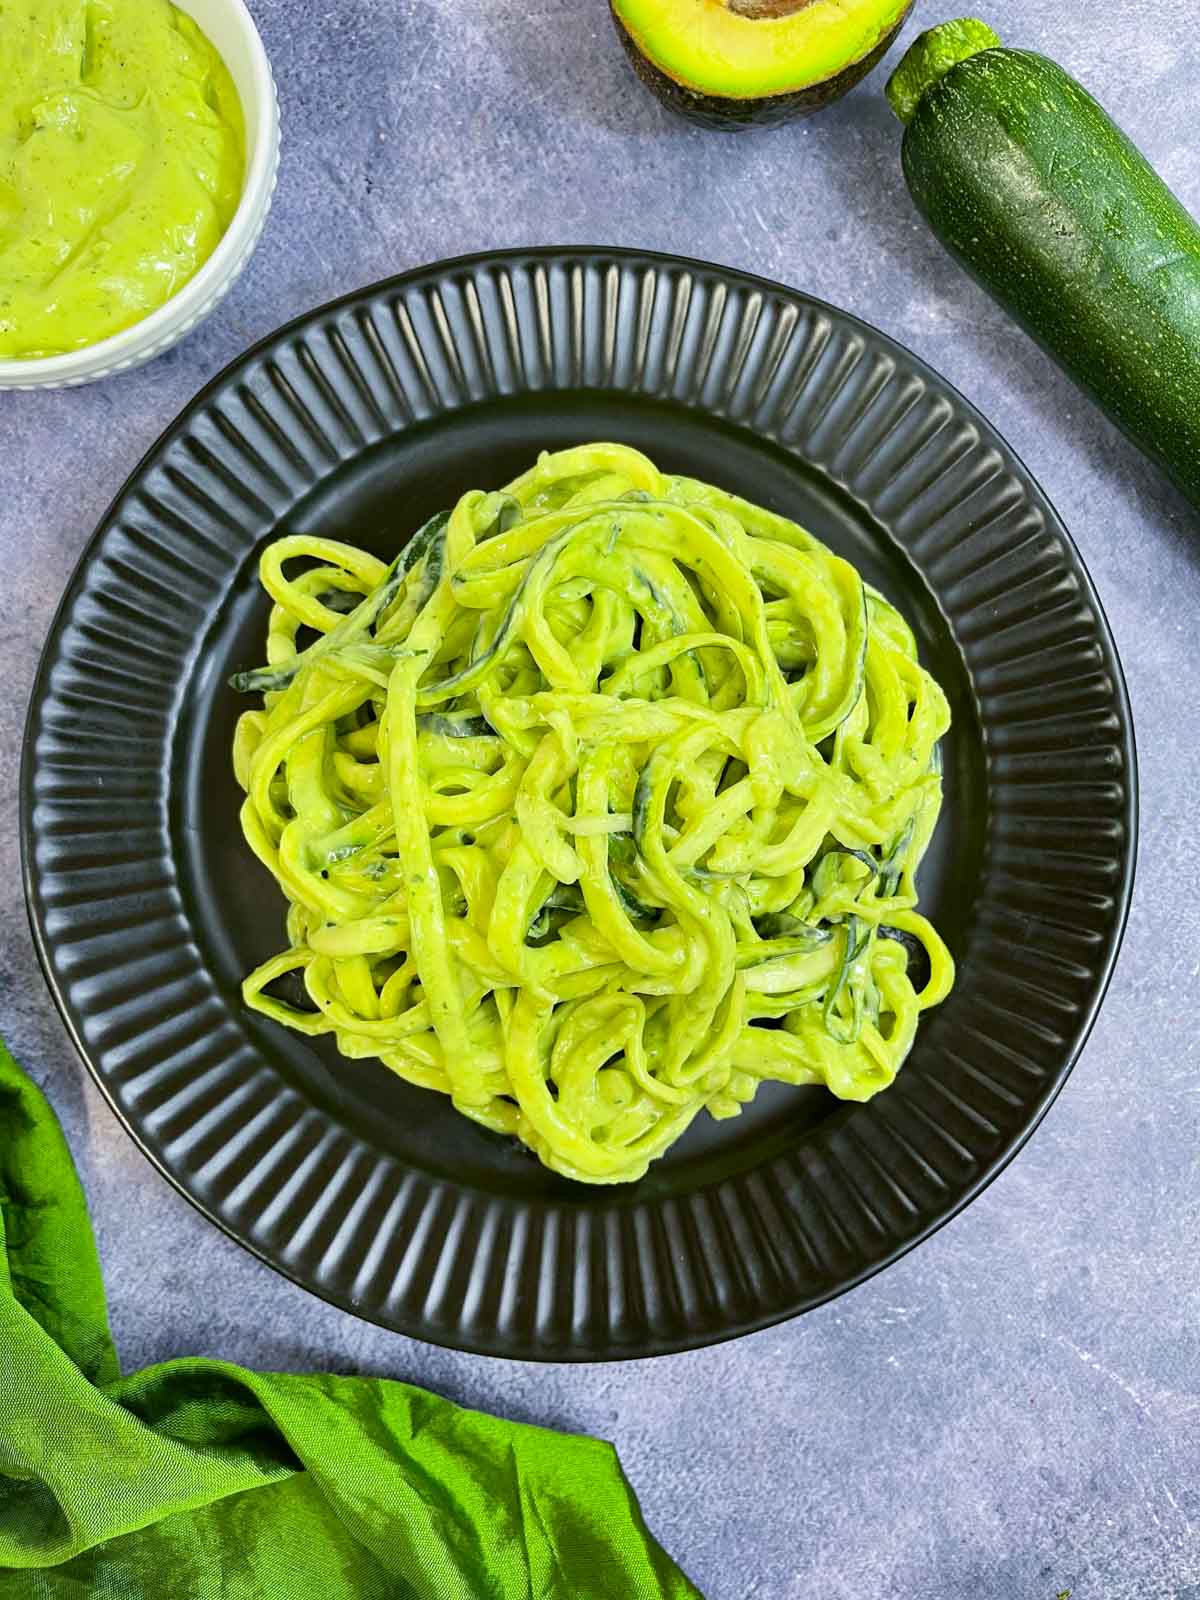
x,y
121,158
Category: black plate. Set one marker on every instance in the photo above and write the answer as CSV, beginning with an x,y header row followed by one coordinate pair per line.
x,y
360,421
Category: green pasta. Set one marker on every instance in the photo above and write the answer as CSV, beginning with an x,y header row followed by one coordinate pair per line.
x,y
599,806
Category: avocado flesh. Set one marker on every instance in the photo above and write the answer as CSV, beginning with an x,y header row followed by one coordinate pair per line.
x,y
711,49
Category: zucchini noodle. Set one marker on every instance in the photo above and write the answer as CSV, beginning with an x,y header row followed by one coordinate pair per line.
x,y
599,806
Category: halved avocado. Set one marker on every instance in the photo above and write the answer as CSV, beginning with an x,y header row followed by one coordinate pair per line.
x,y
746,63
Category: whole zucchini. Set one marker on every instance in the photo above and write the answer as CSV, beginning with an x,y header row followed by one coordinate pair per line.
x,y
1035,190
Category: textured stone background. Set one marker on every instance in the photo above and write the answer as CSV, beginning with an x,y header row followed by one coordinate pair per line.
x,y
1012,1410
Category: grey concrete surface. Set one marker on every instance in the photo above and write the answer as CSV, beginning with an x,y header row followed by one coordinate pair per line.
x,y
1012,1411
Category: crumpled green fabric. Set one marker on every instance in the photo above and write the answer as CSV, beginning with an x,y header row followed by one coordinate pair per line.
x,y
199,1480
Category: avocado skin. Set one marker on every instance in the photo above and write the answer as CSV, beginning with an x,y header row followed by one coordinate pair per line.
x,y
736,116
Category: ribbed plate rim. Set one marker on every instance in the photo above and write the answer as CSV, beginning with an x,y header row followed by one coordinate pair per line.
x,y
575,255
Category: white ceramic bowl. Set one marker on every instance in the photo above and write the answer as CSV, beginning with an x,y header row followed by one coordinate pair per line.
x,y
231,29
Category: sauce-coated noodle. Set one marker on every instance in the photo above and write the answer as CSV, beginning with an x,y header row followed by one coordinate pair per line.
x,y
599,806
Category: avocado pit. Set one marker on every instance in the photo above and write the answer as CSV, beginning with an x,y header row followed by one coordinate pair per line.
x,y
757,10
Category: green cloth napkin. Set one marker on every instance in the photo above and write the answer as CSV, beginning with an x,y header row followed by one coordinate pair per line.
x,y
198,1480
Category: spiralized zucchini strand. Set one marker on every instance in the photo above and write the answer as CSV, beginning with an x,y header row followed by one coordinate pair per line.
x,y
597,807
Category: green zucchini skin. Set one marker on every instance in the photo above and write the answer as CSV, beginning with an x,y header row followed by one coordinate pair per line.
x,y
1033,188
